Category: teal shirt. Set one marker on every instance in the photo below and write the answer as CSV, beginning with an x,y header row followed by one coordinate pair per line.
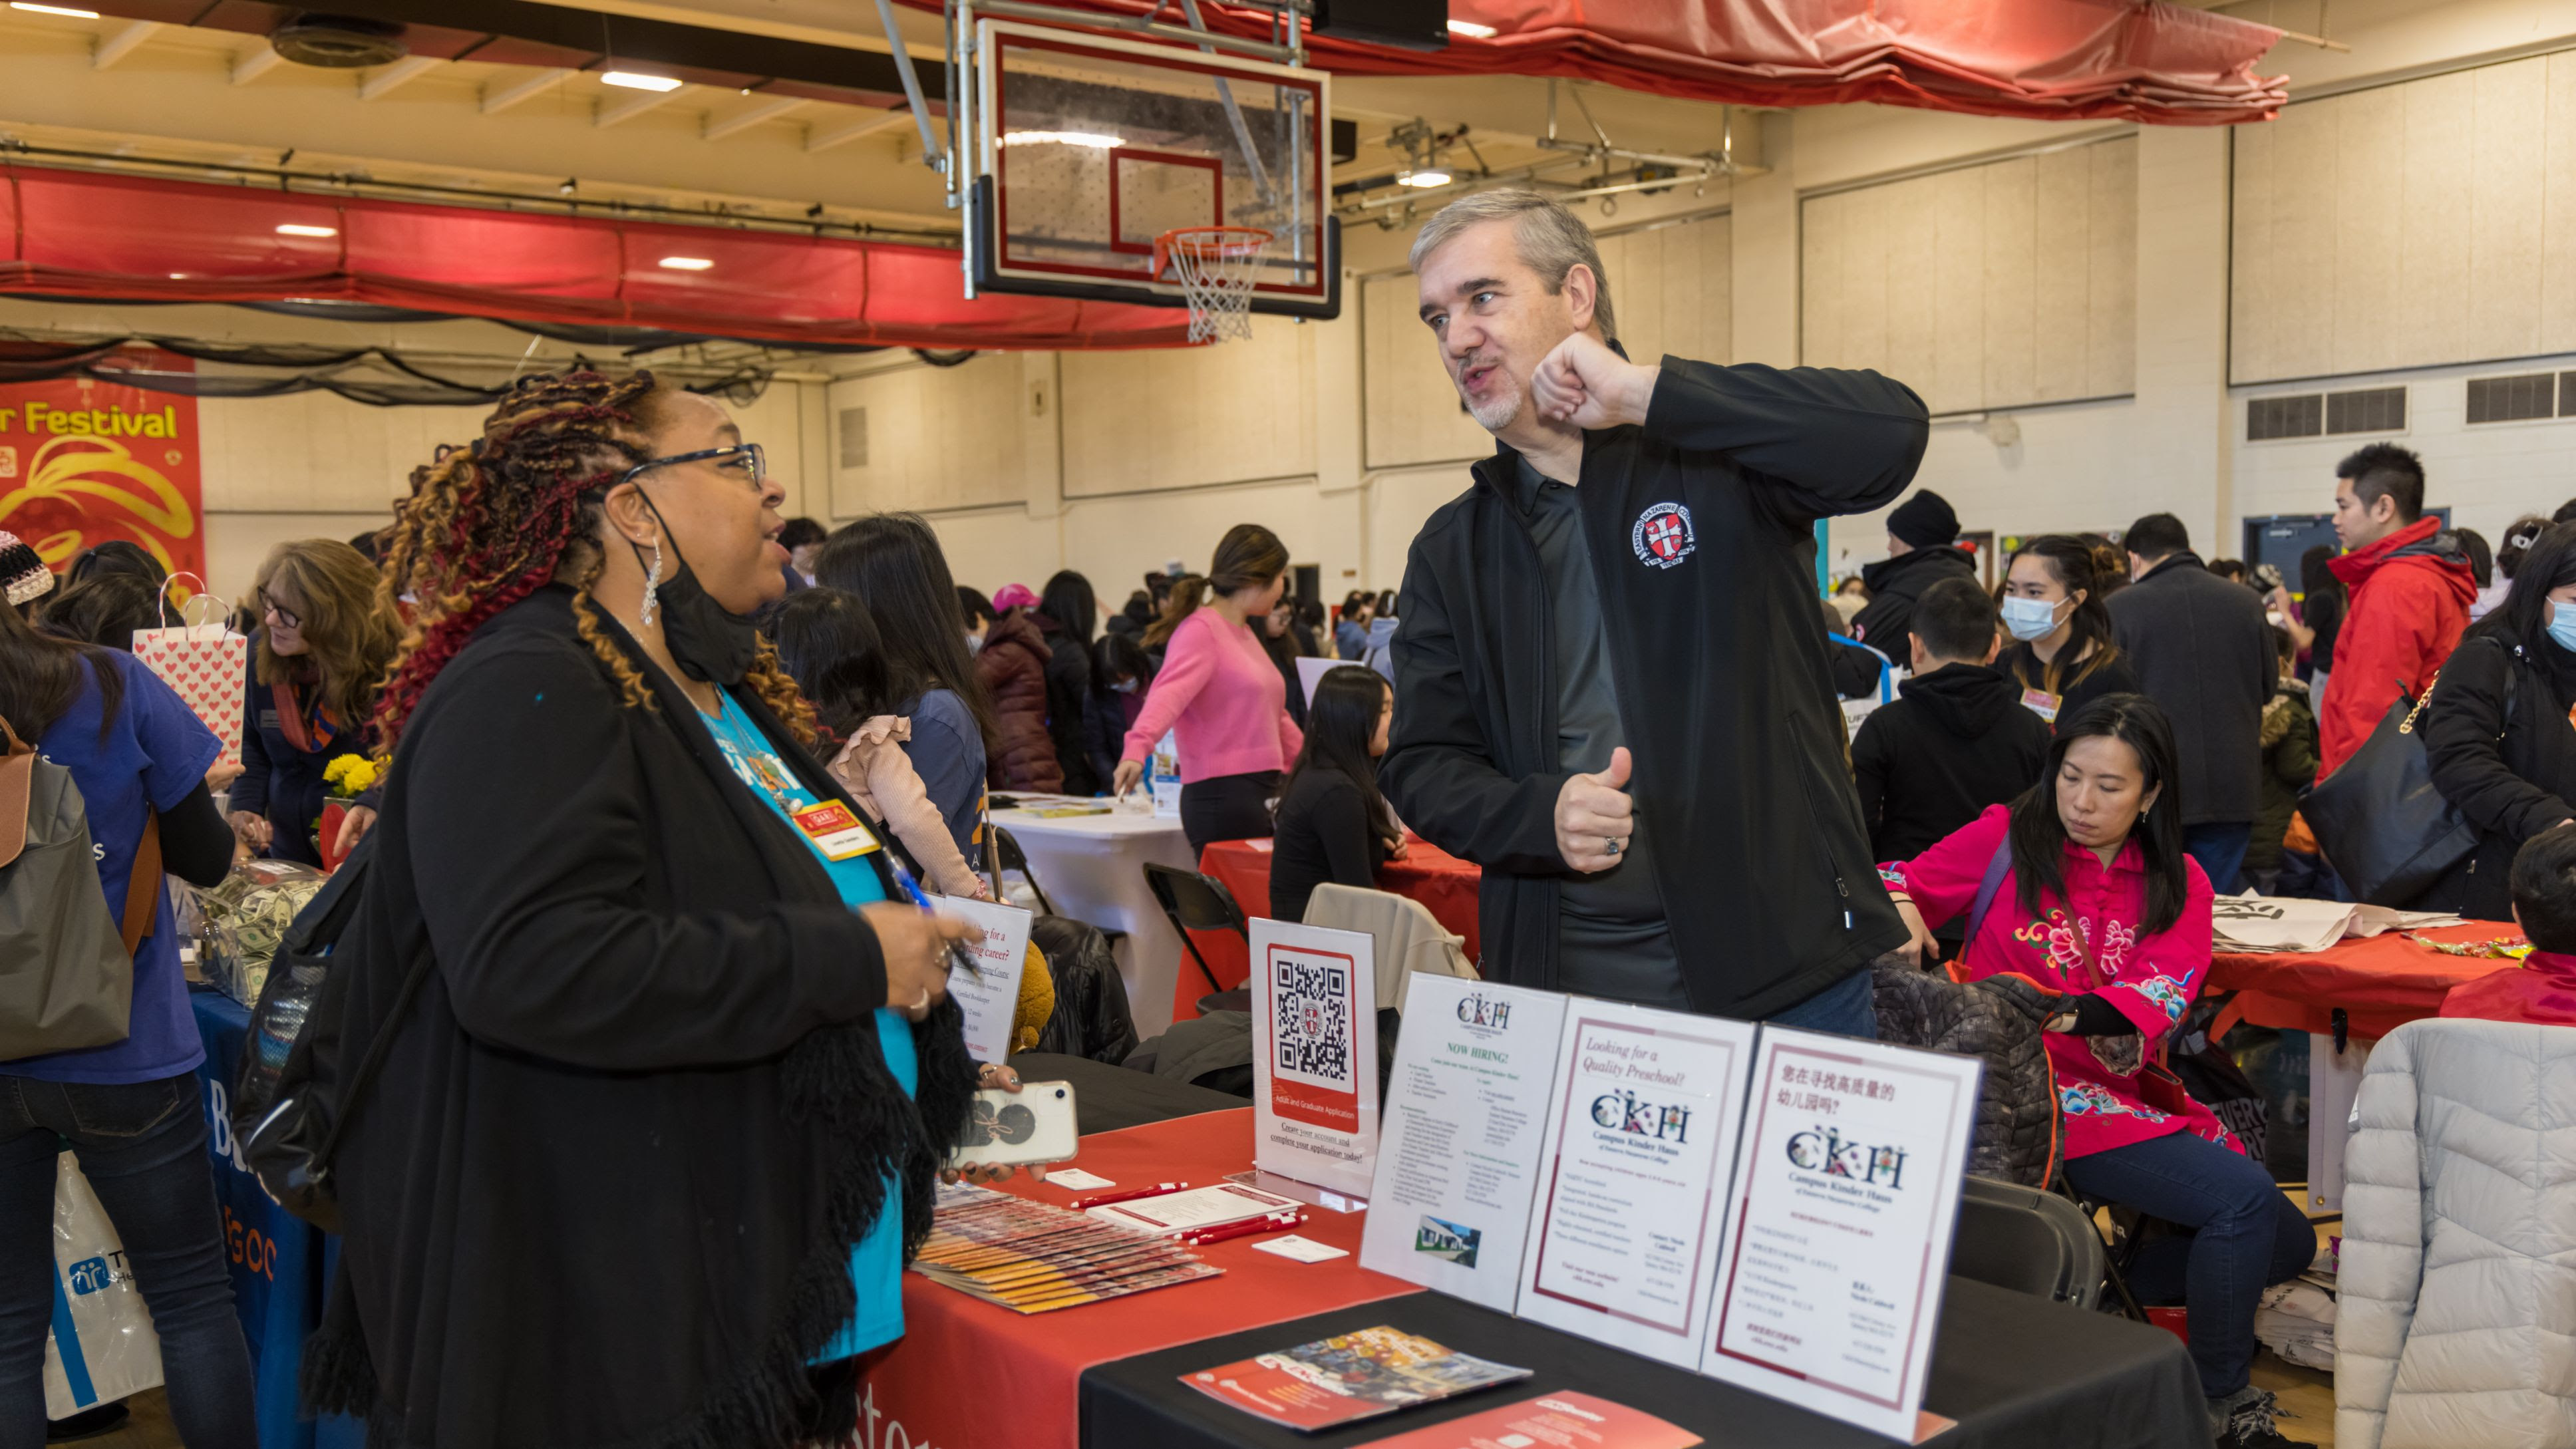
x,y
876,1263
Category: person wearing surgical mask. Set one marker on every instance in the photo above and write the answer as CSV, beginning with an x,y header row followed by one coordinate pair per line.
x,y
2062,653
1121,672
2496,730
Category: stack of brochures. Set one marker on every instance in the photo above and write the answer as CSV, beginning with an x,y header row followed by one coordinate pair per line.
x,y
1033,1258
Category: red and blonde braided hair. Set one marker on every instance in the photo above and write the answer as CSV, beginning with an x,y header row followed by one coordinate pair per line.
x,y
493,522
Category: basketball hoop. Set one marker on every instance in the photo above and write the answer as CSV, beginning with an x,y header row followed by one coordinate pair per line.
x,y
1215,267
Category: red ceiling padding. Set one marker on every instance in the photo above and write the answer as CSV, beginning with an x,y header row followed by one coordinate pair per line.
x,y
82,234
2045,59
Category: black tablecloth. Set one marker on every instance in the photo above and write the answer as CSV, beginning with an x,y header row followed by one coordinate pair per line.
x,y
2012,1369
1106,1098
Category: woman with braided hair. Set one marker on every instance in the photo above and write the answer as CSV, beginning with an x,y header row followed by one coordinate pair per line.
x,y
666,1077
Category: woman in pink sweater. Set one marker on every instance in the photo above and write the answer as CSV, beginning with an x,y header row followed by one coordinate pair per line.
x,y
1219,691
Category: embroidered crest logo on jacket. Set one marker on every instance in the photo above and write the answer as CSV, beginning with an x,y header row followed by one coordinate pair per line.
x,y
1662,537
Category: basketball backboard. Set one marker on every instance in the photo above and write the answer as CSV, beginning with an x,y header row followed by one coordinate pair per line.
x,y
1084,148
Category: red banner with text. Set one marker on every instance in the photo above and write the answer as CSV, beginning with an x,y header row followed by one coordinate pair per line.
x,y
83,461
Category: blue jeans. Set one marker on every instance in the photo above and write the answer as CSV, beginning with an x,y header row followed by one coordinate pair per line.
x,y
1844,1008
143,1148
2242,1236
2220,849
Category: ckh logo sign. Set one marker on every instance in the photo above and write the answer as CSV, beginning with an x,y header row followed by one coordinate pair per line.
x,y
1663,536
1826,1151
1630,1113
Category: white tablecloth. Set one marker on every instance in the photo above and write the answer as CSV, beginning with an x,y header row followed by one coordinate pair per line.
x,y
1093,869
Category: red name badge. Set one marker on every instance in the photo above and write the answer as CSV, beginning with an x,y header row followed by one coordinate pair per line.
x,y
2042,703
835,830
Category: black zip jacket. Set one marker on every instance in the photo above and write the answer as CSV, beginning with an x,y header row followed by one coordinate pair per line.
x,y
1896,585
2497,740
1701,528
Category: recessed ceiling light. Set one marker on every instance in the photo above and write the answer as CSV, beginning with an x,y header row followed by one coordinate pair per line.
x,y
178,276
53,10
1423,178
1471,28
636,80
297,228
687,264
1093,139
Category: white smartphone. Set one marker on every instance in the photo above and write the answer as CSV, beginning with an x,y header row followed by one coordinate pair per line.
x,y
1016,1129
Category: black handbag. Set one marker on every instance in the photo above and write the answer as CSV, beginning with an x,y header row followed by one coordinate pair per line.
x,y
2380,821
296,1093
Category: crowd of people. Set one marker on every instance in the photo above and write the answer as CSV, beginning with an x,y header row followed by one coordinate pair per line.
x,y
615,930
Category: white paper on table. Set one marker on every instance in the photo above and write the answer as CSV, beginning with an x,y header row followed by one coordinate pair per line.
x,y
1199,1207
1631,1204
991,1001
1460,1140
1077,1179
1314,1054
1301,1250
1828,1291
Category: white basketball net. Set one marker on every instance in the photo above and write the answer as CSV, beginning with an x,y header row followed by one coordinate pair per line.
x,y
1215,267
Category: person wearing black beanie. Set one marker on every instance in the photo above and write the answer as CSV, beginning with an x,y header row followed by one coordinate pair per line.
x,y
1922,547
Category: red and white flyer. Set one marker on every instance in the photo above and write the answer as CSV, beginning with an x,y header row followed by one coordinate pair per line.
x,y
1562,1420
1828,1289
1314,1055
1632,1176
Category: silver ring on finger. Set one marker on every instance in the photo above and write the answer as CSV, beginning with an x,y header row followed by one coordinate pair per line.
x,y
1611,844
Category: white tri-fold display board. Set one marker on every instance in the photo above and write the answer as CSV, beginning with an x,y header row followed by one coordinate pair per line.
x,y
1773,1208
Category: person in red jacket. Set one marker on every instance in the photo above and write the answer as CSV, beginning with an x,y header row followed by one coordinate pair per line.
x,y
2411,588
2542,988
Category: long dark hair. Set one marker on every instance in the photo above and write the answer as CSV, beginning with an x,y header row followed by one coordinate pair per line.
x,y
105,609
2075,565
1340,722
2522,620
40,676
1070,602
2039,836
829,643
893,563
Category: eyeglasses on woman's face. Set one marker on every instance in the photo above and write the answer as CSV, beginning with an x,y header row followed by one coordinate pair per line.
x,y
269,605
743,460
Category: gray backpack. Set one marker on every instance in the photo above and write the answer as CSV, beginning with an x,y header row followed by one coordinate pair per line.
x,y
66,969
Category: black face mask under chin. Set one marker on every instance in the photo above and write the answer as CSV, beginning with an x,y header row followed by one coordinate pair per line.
x,y
707,640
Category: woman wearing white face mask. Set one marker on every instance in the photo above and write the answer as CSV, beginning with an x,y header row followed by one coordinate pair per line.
x,y
2496,731
1121,671
2063,654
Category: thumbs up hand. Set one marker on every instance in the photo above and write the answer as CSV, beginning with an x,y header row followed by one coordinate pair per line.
x,y
1595,816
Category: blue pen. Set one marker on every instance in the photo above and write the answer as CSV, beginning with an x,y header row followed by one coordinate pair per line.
x,y
958,955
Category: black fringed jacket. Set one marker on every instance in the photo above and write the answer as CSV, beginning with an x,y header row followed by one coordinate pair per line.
x,y
605,1189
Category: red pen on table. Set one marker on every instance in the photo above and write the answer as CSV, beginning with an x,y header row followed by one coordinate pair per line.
x,y
1218,1234
1104,1199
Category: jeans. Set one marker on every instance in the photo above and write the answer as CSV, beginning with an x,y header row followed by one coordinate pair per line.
x,y
1844,1008
2220,849
143,1148
2242,1236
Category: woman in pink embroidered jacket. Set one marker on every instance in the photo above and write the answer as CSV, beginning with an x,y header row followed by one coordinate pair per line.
x,y
2086,891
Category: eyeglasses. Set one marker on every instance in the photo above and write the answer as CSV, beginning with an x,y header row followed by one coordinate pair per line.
x,y
743,458
285,615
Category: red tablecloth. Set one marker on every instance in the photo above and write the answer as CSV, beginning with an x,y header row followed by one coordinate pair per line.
x,y
1441,881
969,1373
2381,983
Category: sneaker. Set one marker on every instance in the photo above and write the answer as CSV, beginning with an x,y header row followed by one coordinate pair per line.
x,y
2249,1423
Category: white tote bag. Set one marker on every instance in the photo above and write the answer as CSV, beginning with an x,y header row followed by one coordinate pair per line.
x,y
102,1347
206,663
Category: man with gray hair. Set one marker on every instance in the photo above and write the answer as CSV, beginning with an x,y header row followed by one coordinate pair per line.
x,y
1611,682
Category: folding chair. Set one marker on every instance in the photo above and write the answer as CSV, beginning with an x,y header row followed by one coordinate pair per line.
x,y
1195,902
1007,855
2028,1240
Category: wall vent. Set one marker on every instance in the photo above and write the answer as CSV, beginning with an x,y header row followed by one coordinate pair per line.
x,y
2300,416
2513,399
2367,410
854,437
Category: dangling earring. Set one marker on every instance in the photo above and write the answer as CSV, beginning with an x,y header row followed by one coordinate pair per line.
x,y
653,581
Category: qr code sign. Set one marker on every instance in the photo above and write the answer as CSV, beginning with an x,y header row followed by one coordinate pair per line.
x,y
1310,1006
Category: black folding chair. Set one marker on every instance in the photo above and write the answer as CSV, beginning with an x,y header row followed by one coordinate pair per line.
x,y
1195,902
1007,855
2029,1240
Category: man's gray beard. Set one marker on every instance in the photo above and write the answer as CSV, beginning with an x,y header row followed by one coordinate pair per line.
x,y
1498,414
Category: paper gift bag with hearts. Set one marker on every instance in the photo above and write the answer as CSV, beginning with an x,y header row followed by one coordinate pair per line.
x,y
208,664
